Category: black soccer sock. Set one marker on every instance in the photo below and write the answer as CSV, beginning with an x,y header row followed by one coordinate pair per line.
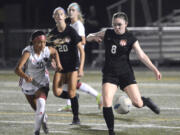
x,y
109,118
64,95
144,101
75,107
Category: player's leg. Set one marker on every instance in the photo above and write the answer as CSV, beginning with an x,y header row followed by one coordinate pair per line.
x,y
138,101
40,116
108,92
72,83
58,81
31,100
84,87
67,107
133,93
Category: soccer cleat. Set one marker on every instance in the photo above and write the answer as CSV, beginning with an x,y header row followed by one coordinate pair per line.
x,y
36,133
66,108
76,121
99,101
44,124
149,103
111,133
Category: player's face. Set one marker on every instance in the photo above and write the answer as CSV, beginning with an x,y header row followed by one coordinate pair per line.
x,y
119,25
72,12
59,16
39,44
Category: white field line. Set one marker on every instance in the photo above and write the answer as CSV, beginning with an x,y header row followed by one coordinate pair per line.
x,y
81,105
117,126
9,91
15,84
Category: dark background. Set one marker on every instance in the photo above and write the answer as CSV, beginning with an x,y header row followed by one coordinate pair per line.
x,y
19,18
38,13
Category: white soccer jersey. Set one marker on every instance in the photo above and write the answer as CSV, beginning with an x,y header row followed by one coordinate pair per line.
x,y
36,68
79,27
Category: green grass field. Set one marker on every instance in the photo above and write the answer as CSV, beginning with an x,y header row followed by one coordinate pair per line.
x,y
17,118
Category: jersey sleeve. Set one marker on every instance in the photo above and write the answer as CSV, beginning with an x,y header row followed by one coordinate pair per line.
x,y
27,49
133,39
107,34
80,29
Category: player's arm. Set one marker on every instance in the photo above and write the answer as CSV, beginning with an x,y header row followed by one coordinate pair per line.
x,y
145,59
97,37
19,68
83,42
82,59
55,57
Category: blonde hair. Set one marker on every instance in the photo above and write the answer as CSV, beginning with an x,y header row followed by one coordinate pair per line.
x,y
76,5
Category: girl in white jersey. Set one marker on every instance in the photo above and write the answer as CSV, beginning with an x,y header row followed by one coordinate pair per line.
x,y
77,21
34,76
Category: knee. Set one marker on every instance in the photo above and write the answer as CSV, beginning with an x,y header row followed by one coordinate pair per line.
x,y
107,101
138,103
72,93
57,92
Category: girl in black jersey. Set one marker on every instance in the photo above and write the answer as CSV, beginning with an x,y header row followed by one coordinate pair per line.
x,y
67,42
117,70
76,21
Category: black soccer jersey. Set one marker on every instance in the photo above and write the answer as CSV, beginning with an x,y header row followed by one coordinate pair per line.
x,y
67,47
117,50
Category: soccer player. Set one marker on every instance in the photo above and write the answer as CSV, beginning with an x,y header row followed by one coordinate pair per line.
x,y
35,77
117,70
67,42
76,19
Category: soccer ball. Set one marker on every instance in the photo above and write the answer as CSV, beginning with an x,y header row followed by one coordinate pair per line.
x,y
122,105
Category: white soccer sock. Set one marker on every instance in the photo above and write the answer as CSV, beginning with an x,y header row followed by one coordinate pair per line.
x,y
88,89
39,113
68,101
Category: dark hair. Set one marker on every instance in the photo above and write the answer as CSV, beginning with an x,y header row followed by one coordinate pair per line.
x,y
120,15
36,34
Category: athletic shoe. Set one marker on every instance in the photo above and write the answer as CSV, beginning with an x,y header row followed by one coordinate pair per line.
x,y
75,121
44,124
149,103
111,133
36,133
99,101
66,108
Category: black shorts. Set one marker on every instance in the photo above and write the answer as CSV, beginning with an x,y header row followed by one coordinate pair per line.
x,y
68,70
122,80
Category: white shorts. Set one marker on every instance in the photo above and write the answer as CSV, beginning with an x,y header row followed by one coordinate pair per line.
x,y
29,92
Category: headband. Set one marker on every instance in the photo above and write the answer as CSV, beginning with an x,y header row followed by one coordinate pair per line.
x,y
40,37
59,8
74,5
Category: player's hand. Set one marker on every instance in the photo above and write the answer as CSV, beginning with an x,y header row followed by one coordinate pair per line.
x,y
80,73
28,79
158,75
98,39
53,64
59,68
